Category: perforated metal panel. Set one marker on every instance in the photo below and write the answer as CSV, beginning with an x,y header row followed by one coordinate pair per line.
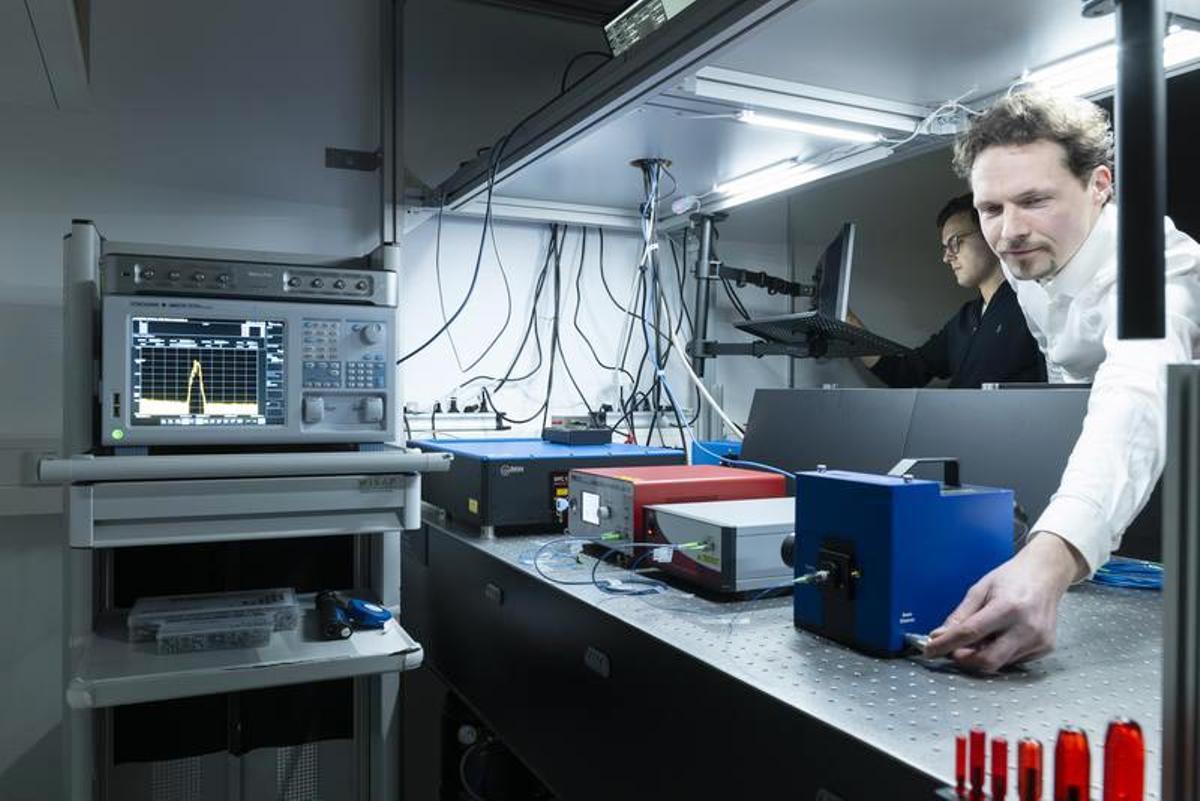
x,y
296,773
1107,665
177,780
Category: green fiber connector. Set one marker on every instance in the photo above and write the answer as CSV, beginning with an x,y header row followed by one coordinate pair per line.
x,y
612,535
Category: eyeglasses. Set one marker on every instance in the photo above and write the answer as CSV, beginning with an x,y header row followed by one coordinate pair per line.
x,y
950,246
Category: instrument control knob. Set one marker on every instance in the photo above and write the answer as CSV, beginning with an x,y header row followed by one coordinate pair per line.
x,y
372,410
313,409
372,334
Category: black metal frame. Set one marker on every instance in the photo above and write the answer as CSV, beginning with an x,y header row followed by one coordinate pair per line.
x,y
709,269
600,710
653,64
708,349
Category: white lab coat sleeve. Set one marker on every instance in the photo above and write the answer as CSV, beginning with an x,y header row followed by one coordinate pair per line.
x,y
1121,450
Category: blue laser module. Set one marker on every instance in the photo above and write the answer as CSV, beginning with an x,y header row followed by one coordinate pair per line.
x,y
880,557
520,485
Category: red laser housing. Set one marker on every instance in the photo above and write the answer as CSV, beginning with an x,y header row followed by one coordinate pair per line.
x,y
606,500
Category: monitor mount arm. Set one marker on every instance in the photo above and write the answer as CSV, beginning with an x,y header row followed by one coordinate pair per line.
x,y
710,268
774,286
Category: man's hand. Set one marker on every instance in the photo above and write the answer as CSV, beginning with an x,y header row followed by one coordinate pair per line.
x,y
1010,615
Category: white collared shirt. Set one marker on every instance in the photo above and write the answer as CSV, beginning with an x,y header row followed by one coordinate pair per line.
x,y
1121,450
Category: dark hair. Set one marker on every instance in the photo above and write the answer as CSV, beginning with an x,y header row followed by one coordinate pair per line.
x,y
1021,118
958,205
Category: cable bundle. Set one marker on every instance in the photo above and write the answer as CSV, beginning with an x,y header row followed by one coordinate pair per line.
x,y
1131,573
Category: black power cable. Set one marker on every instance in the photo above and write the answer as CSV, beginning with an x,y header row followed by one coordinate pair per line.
x,y
496,156
655,293
604,278
437,266
553,258
681,281
507,310
579,303
437,271
556,351
495,160
530,327
736,301
563,87
553,350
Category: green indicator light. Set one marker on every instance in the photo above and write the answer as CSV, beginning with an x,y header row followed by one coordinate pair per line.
x,y
118,434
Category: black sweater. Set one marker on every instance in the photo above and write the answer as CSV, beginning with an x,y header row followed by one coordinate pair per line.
x,y
971,352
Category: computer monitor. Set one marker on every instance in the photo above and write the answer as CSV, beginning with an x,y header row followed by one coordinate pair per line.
x,y
832,276
823,331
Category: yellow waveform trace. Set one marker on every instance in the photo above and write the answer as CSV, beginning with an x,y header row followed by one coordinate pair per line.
x,y
177,408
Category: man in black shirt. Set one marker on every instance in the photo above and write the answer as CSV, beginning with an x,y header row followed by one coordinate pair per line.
x,y
987,340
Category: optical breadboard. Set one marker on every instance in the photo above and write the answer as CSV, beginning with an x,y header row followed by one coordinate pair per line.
x,y
610,501
521,485
728,546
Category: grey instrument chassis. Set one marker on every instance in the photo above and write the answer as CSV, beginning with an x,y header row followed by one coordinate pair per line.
x,y
743,539
211,352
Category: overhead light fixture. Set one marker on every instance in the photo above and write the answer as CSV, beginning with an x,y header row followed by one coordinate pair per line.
x,y
1094,71
787,175
802,126
763,175
788,98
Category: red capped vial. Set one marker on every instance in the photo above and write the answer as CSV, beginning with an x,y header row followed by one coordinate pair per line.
x,y
1029,770
1124,762
999,769
978,760
960,764
1072,766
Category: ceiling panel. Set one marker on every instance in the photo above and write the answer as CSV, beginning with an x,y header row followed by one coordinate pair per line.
x,y
22,78
919,52
916,51
703,151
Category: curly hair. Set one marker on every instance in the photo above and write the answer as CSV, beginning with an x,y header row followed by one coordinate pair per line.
x,y
1021,118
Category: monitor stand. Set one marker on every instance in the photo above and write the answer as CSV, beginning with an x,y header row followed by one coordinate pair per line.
x,y
821,336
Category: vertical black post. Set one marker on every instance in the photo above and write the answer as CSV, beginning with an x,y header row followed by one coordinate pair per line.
x,y
703,290
1141,111
1181,592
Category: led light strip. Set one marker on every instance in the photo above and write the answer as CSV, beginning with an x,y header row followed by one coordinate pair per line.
x,y
790,174
802,126
1095,70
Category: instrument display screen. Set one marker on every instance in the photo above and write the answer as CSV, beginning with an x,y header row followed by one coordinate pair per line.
x,y
207,372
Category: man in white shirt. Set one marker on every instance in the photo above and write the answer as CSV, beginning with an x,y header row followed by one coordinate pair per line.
x,y
1041,170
